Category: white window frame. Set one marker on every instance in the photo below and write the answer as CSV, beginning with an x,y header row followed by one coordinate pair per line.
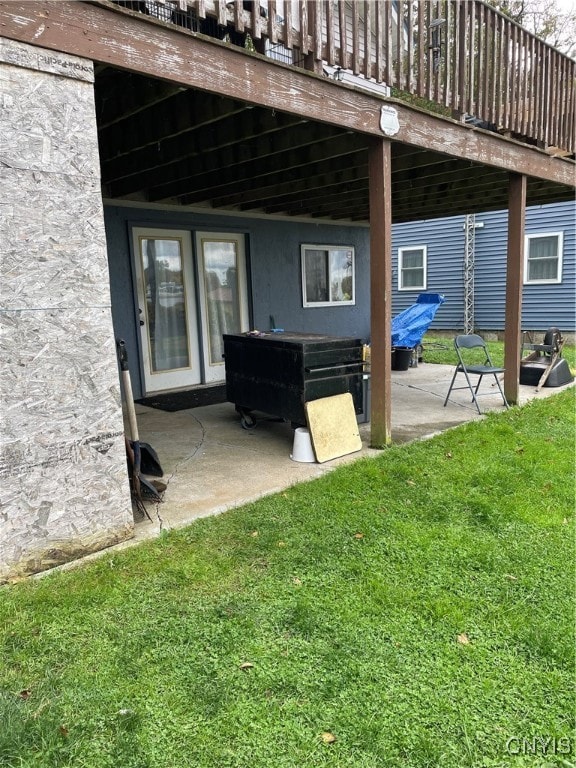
x,y
328,248
424,249
559,255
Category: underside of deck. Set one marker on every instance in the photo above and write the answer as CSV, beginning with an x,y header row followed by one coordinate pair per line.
x,y
194,148
188,120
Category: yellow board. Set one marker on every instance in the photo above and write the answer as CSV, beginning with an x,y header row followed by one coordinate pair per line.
x,y
333,427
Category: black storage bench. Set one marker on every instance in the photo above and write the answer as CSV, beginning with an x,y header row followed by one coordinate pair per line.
x,y
278,372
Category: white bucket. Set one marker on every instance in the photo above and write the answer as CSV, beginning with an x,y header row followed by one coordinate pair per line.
x,y
302,448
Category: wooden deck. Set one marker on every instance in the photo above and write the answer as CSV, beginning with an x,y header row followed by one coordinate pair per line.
x,y
461,56
188,119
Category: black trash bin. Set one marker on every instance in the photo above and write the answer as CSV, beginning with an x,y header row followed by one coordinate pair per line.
x,y
401,357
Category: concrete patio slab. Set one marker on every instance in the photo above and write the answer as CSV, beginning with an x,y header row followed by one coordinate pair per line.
x,y
212,464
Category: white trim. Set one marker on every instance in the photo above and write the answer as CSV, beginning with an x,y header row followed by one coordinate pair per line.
x,y
424,249
328,248
559,256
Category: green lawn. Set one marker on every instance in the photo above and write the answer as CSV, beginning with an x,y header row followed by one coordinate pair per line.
x,y
418,607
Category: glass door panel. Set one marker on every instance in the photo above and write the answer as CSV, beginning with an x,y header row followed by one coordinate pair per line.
x,y
223,296
167,307
165,304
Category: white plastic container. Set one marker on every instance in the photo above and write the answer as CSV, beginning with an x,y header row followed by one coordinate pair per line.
x,y
302,449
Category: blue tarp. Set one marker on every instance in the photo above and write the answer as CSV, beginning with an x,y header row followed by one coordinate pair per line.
x,y
409,326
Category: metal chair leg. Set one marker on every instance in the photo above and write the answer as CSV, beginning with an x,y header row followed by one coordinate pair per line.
x,y
450,387
501,392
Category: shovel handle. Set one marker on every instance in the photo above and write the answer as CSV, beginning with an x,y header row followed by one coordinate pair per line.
x,y
122,354
130,406
127,384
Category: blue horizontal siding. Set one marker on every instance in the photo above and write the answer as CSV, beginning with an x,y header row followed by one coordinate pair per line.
x,y
543,305
553,303
490,271
444,239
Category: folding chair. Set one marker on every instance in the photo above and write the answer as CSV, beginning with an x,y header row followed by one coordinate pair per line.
x,y
473,341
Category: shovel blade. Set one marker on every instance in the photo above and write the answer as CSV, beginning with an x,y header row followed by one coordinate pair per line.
x,y
149,461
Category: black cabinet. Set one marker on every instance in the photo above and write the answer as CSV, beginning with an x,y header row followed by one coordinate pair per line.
x,y
278,372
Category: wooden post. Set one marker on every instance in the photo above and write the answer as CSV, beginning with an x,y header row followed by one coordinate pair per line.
x,y
313,58
514,279
379,169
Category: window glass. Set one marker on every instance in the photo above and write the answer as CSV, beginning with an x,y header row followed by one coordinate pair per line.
x,y
327,275
220,264
412,268
341,275
165,303
543,258
316,273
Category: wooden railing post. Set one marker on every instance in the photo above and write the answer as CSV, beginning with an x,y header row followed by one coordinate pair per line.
x,y
311,60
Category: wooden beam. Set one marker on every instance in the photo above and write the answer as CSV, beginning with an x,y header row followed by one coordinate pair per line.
x,y
129,96
325,174
186,112
328,194
143,45
380,174
514,279
297,168
198,151
270,156
349,200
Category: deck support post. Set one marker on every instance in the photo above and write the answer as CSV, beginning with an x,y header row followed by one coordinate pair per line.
x,y
514,280
380,186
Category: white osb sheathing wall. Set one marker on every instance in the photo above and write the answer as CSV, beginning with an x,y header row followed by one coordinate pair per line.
x,y
62,469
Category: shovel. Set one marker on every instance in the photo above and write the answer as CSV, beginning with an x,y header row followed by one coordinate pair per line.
x,y
149,462
139,454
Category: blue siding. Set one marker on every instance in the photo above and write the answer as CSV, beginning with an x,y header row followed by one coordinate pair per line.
x,y
553,303
273,249
490,271
444,239
543,305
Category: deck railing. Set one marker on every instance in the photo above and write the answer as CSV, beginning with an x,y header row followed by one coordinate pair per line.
x,y
461,56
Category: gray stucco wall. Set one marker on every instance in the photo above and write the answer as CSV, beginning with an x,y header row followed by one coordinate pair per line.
x,y
63,468
273,267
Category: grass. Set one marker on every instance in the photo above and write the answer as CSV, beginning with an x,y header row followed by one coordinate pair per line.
x,y
440,350
418,607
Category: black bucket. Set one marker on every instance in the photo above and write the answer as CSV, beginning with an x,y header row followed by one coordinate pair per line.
x,y
401,357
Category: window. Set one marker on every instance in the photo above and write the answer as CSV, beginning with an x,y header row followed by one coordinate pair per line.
x,y
412,268
327,275
543,258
